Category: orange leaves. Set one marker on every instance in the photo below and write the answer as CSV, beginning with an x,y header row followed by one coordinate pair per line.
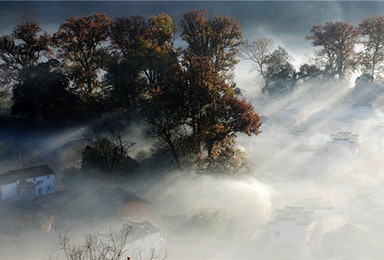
x,y
240,116
217,39
162,28
80,42
208,106
137,36
225,158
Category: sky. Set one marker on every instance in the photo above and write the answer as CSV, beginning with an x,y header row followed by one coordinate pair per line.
x,y
287,22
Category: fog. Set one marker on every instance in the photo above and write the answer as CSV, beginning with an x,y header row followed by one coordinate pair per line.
x,y
317,161
312,188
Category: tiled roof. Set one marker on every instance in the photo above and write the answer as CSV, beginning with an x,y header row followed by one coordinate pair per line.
x,y
141,230
25,173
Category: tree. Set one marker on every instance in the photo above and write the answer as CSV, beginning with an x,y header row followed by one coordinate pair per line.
x,y
197,99
123,76
217,39
149,44
212,222
81,42
280,75
373,54
259,52
159,51
22,49
43,94
190,88
127,34
165,124
227,118
106,151
114,245
282,79
366,90
142,51
337,41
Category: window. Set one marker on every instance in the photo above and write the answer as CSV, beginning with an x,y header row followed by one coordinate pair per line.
x,y
48,177
34,179
48,188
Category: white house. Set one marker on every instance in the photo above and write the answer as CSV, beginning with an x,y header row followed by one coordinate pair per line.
x,y
145,241
27,183
292,226
349,242
343,143
362,110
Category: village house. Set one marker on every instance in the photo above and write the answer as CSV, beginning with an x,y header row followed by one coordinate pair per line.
x,y
39,220
292,226
145,241
362,110
27,183
348,242
343,143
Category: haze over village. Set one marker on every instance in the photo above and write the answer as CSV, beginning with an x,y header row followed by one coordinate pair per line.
x,y
191,130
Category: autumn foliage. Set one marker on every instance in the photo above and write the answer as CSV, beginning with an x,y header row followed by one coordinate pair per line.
x,y
130,65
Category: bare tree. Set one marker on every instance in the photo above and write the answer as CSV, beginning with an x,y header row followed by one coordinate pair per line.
x,y
110,246
373,55
259,52
106,148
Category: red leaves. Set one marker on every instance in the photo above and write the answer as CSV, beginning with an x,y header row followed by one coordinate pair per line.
x,y
211,110
240,116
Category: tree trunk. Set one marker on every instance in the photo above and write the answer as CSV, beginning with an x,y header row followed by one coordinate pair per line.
x,y
173,150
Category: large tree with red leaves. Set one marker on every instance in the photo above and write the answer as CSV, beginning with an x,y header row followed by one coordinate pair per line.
x,y
202,109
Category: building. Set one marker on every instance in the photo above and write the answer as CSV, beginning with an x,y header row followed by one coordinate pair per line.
x,y
343,143
115,201
27,183
35,221
145,241
362,110
348,242
292,226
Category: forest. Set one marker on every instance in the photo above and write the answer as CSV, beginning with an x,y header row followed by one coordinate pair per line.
x,y
129,69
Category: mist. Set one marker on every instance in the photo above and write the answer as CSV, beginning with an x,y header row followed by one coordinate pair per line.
x,y
296,165
312,187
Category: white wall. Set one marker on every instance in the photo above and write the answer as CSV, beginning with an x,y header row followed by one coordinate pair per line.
x,y
48,185
342,148
8,191
144,247
287,232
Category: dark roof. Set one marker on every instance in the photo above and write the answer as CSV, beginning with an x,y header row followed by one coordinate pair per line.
x,y
141,230
293,213
25,173
6,179
109,200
